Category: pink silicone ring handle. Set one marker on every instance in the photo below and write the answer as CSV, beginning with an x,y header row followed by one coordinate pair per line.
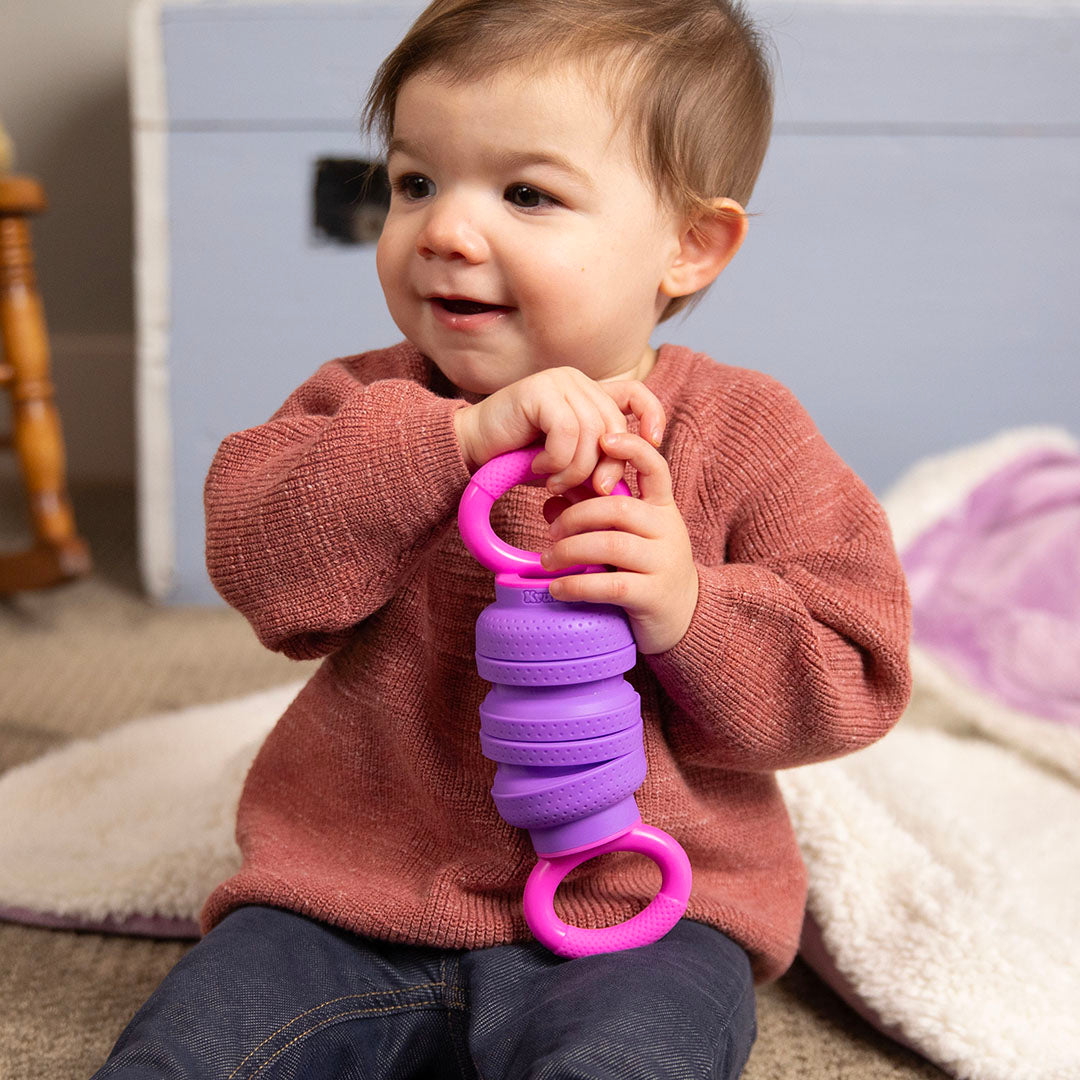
x,y
489,482
663,912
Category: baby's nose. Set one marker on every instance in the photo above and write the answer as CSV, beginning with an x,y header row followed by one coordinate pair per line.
x,y
450,232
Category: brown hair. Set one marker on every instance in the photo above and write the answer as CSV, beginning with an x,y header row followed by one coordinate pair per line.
x,y
690,77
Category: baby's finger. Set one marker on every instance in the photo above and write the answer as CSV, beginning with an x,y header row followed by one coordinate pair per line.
x,y
558,504
587,454
654,477
562,431
607,474
609,470
606,548
612,587
592,423
636,398
617,512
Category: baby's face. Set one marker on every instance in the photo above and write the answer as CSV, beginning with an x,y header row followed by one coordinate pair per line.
x,y
521,234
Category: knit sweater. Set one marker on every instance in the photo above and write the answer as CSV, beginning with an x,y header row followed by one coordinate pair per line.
x,y
332,529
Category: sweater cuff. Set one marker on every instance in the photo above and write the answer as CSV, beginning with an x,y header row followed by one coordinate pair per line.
x,y
720,636
418,466
385,479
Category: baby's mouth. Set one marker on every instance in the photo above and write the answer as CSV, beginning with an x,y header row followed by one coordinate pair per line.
x,y
466,307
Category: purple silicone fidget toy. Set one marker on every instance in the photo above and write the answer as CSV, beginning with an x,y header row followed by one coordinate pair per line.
x,y
563,725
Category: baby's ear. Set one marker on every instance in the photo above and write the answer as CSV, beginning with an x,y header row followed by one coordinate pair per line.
x,y
708,243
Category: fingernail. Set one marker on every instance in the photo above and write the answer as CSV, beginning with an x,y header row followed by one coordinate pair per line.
x,y
607,484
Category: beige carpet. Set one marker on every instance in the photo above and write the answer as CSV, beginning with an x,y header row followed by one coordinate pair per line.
x,y
85,657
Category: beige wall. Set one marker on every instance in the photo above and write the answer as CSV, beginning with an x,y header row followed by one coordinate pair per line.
x,y
63,96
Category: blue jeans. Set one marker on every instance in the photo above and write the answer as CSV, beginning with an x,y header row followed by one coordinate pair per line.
x,y
269,994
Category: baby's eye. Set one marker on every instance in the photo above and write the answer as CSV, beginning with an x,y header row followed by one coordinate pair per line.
x,y
414,186
527,197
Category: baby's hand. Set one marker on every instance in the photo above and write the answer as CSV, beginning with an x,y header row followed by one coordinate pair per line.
x,y
571,411
656,581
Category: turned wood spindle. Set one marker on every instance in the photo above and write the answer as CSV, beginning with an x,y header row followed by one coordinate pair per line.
x,y
57,552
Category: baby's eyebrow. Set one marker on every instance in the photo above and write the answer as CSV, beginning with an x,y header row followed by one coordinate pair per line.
x,y
402,146
511,160
505,160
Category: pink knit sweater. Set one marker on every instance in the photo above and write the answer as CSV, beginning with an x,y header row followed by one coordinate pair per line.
x,y
332,528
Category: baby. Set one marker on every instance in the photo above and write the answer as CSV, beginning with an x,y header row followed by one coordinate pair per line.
x,y
566,174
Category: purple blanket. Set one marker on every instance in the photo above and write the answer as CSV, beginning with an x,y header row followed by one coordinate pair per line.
x,y
996,586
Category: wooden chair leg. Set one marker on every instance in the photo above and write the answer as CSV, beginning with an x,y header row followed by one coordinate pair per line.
x,y
57,552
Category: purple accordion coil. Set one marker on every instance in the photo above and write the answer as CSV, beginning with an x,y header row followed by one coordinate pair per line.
x,y
560,720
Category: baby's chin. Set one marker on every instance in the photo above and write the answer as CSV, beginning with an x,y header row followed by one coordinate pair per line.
x,y
469,383
469,392
471,396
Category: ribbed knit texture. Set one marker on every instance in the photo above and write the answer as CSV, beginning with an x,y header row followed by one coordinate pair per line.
x,y
332,528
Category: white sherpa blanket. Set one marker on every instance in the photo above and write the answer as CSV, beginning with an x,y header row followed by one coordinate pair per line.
x,y
944,869
944,865
132,829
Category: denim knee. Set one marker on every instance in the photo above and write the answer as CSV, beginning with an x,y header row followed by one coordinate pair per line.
x,y
270,994
680,1008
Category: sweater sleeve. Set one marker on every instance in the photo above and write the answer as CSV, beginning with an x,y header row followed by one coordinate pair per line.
x,y
314,517
797,650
